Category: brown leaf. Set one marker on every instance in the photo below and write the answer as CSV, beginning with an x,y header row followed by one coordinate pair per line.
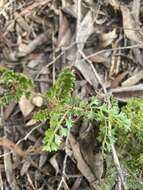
x,y
104,58
39,40
137,54
37,100
26,106
36,61
54,163
133,79
136,9
69,8
86,28
118,79
22,23
76,184
87,73
131,28
87,143
107,38
2,3
9,109
81,164
125,93
28,10
30,123
25,167
114,3
65,34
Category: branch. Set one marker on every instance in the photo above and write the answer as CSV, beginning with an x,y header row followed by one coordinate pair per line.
x,y
114,153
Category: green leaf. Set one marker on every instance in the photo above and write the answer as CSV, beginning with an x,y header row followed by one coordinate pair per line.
x,y
69,121
90,115
63,132
63,87
16,84
41,115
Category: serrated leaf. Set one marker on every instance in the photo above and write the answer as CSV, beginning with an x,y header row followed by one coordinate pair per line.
x,y
69,122
41,115
63,132
63,87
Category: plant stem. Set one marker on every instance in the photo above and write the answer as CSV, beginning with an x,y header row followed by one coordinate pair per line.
x,y
107,98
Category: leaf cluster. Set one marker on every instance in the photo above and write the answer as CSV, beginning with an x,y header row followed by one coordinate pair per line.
x,y
16,84
61,90
133,141
57,113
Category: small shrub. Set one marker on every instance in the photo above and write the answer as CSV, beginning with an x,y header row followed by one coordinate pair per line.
x,y
61,112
